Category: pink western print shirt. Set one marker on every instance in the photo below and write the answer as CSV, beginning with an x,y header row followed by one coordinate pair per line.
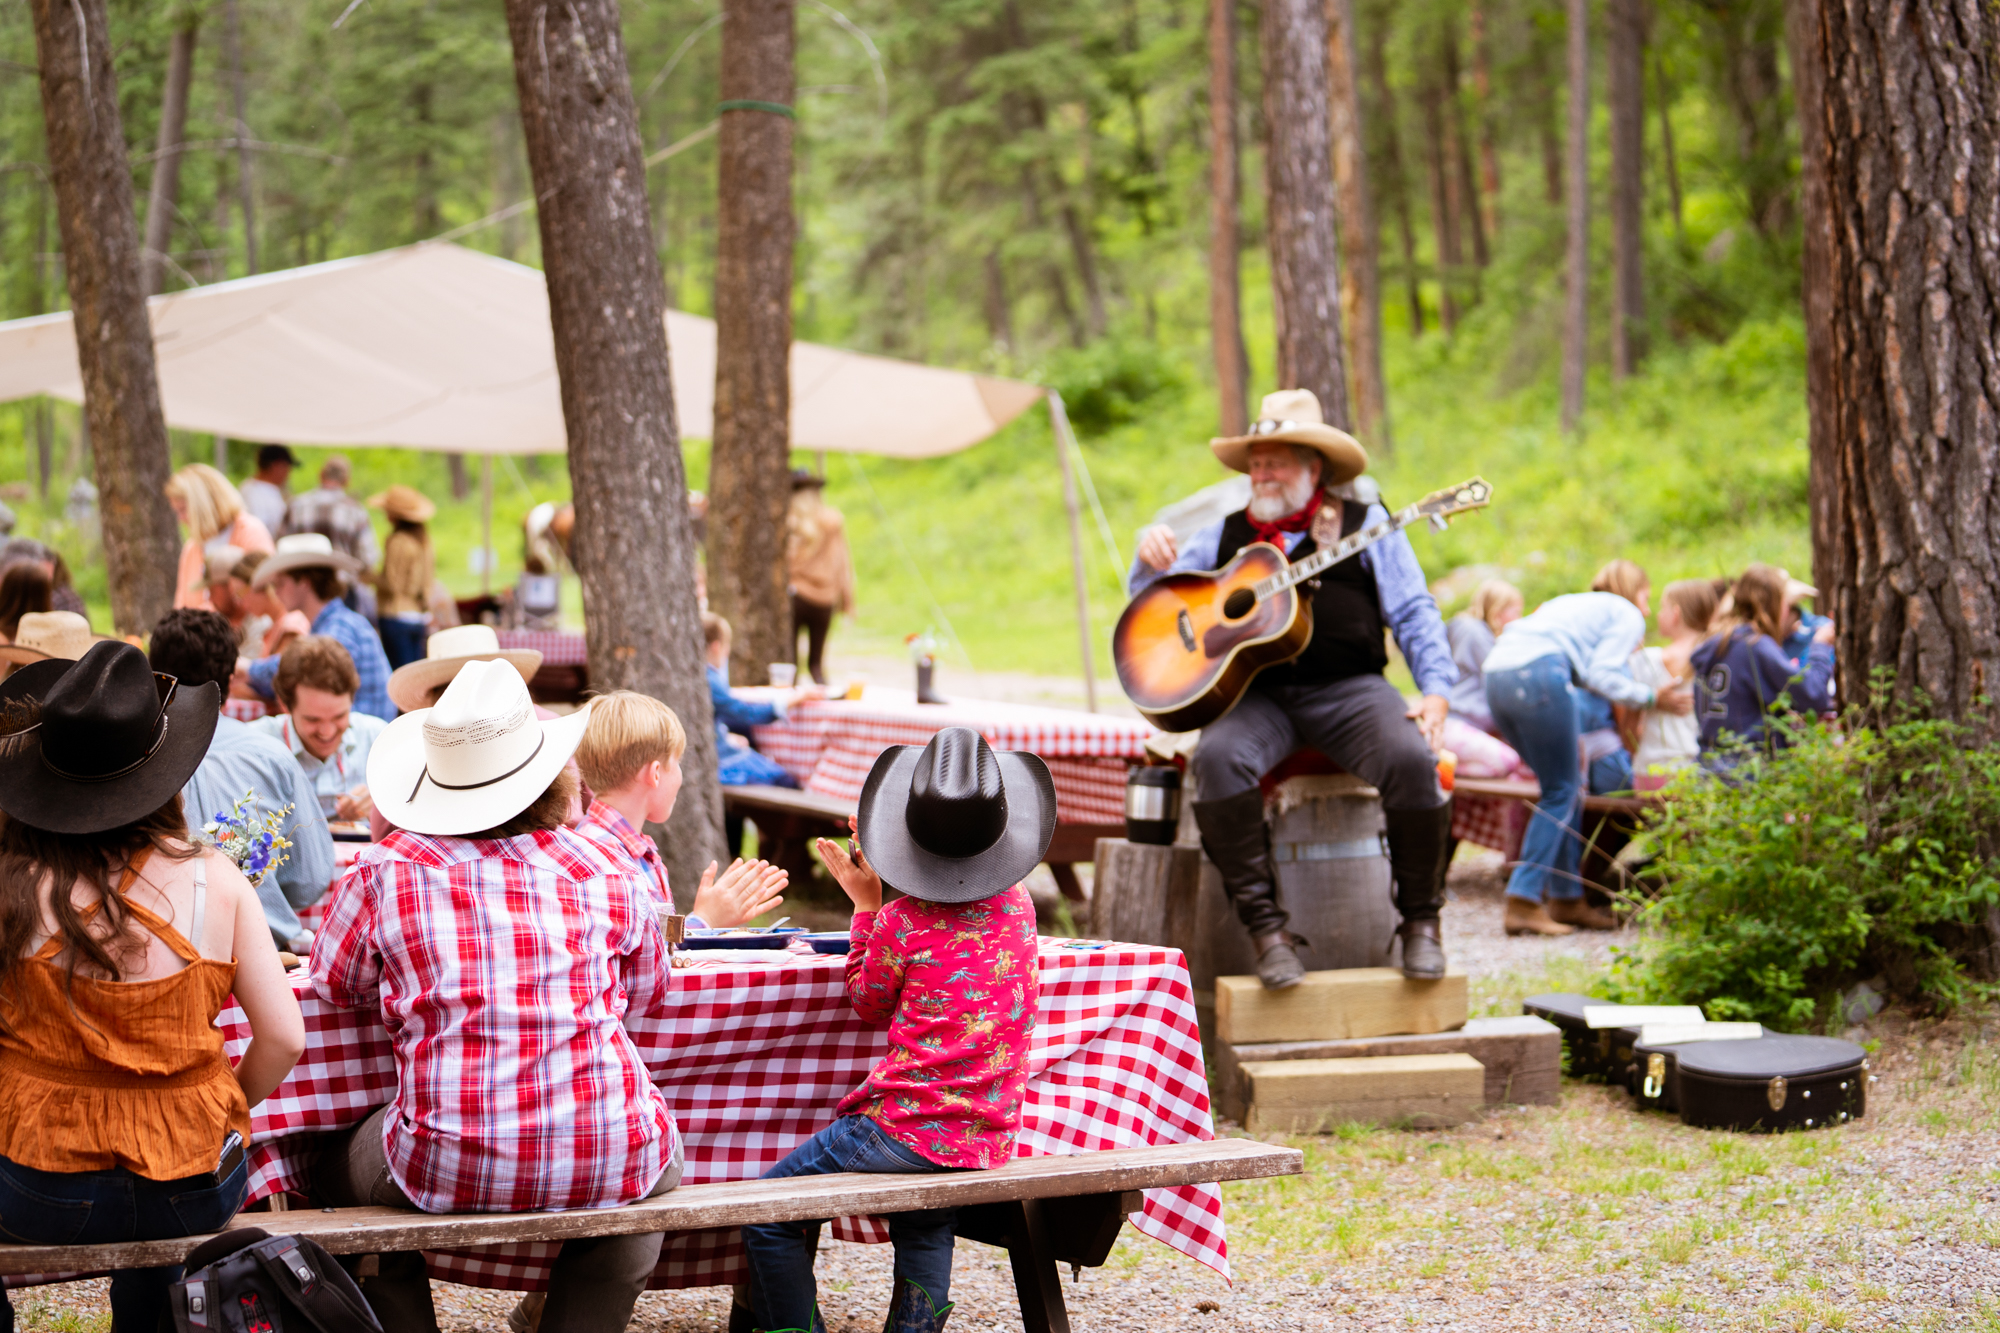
x,y
958,985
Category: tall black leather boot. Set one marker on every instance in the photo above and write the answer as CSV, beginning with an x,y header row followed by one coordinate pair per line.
x,y
1419,852
1236,839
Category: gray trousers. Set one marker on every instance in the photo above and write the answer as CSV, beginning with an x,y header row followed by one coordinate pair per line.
x,y
594,1285
1360,723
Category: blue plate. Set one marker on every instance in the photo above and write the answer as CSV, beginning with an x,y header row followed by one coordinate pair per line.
x,y
780,938
828,941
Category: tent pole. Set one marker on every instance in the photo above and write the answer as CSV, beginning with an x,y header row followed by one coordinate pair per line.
x,y
1059,422
486,524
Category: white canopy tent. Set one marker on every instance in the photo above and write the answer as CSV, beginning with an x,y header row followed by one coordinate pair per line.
x,y
434,346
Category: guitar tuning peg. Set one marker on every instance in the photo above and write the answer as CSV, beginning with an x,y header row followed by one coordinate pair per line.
x,y
1439,522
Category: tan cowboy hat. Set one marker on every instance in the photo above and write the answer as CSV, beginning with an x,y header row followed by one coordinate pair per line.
x,y
46,634
222,562
475,760
445,652
1293,416
304,550
405,504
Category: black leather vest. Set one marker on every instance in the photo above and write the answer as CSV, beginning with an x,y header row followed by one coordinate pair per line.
x,y
1348,632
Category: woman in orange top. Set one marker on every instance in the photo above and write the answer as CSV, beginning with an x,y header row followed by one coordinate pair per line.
x,y
213,513
121,1118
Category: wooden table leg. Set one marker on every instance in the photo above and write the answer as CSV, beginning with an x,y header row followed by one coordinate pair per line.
x,y
1066,880
1035,1280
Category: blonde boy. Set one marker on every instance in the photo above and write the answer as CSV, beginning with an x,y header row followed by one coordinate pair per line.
x,y
631,757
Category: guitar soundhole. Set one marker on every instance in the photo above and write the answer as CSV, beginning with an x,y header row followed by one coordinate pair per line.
x,y
1237,605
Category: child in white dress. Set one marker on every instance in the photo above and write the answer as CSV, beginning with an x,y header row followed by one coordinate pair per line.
x,y
1669,741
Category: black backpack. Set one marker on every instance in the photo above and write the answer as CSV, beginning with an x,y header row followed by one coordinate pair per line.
x,y
249,1281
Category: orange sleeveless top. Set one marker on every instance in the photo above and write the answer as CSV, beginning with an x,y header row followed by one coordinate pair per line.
x,y
119,1073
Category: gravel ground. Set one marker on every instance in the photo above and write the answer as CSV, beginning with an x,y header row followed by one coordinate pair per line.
x,y
1586,1215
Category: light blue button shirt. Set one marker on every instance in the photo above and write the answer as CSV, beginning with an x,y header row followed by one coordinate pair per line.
x,y
1407,606
242,760
1596,633
340,772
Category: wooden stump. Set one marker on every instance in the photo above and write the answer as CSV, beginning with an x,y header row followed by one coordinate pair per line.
x,y
1144,894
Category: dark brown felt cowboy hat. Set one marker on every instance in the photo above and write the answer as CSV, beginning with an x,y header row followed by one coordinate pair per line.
x,y
956,821
115,740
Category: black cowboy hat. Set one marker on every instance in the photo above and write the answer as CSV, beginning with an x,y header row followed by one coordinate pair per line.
x,y
805,479
115,740
956,821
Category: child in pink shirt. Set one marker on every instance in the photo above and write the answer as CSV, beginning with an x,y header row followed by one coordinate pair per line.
x,y
951,968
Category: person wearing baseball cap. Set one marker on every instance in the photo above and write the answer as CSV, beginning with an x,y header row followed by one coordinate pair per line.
x,y
506,952
264,492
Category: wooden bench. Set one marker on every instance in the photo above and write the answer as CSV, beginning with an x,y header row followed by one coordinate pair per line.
x,y
1608,821
788,820
1044,1210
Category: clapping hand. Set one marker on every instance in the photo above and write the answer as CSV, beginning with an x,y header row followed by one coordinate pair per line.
x,y
850,869
746,890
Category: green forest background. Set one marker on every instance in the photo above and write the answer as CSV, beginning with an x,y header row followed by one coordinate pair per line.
x,y
1021,187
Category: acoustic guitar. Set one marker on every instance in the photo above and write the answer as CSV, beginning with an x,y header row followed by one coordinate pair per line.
x,y
1188,646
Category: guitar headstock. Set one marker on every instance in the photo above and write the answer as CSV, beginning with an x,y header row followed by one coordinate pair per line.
x,y
1440,507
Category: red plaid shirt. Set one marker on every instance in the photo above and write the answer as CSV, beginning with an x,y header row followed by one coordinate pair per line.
x,y
958,986
505,973
615,836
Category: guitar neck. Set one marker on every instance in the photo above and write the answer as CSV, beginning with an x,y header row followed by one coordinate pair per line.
x,y
1328,557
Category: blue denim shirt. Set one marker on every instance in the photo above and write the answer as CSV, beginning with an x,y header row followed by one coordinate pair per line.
x,y
1407,606
733,713
337,622
1596,633
241,759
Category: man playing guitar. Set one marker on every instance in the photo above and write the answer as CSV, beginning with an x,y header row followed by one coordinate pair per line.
x,y
1332,697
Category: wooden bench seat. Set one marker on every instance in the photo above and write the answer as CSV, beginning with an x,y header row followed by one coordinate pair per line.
x,y
788,820
1044,1210
1608,823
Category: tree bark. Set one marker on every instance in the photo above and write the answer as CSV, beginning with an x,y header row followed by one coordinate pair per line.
x,y
244,183
1905,193
1669,161
633,547
749,480
114,338
1625,83
1225,200
1444,210
1576,314
1396,179
1465,195
1816,288
1547,132
1360,282
164,195
1305,263
1489,143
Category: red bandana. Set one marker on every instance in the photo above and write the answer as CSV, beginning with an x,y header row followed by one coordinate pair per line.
x,y
1298,522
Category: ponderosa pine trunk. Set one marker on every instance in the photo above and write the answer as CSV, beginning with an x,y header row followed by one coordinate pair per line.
x,y
1465,194
114,337
1625,83
1389,151
1225,244
1360,281
1576,295
164,195
1444,215
1816,287
749,476
1905,427
633,547
1305,262
1489,142
245,185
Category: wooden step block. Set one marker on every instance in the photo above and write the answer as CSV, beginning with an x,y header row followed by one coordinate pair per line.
x,y
1522,1055
1326,1006
1313,1096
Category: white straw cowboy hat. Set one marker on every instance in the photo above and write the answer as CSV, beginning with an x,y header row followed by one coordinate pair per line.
x,y
475,760
304,550
445,652
46,634
1293,416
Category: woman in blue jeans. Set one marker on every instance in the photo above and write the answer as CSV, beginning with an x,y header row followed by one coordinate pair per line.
x,y
1532,674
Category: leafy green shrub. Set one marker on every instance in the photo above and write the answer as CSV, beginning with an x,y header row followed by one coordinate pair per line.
x,y
1113,381
1872,847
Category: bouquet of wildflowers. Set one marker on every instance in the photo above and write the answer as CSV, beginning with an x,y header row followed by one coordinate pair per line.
x,y
256,846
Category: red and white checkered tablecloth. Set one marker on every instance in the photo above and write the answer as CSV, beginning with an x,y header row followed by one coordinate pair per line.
x,y
830,744
753,1058
558,647
245,710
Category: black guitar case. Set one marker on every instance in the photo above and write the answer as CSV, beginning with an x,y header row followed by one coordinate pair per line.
x,y
1653,1077
1602,1055
1774,1082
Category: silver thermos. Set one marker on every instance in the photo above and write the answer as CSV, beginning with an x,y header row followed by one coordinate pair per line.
x,y
1153,804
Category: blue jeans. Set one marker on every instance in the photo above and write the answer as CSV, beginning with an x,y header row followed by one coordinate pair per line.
x,y
781,1253
1536,713
106,1207
404,641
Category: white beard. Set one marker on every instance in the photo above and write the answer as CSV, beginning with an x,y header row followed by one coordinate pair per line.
x,y
1270,501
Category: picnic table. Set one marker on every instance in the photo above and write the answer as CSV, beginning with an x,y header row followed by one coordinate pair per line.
x,y
564,675
1609,822
755,1052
